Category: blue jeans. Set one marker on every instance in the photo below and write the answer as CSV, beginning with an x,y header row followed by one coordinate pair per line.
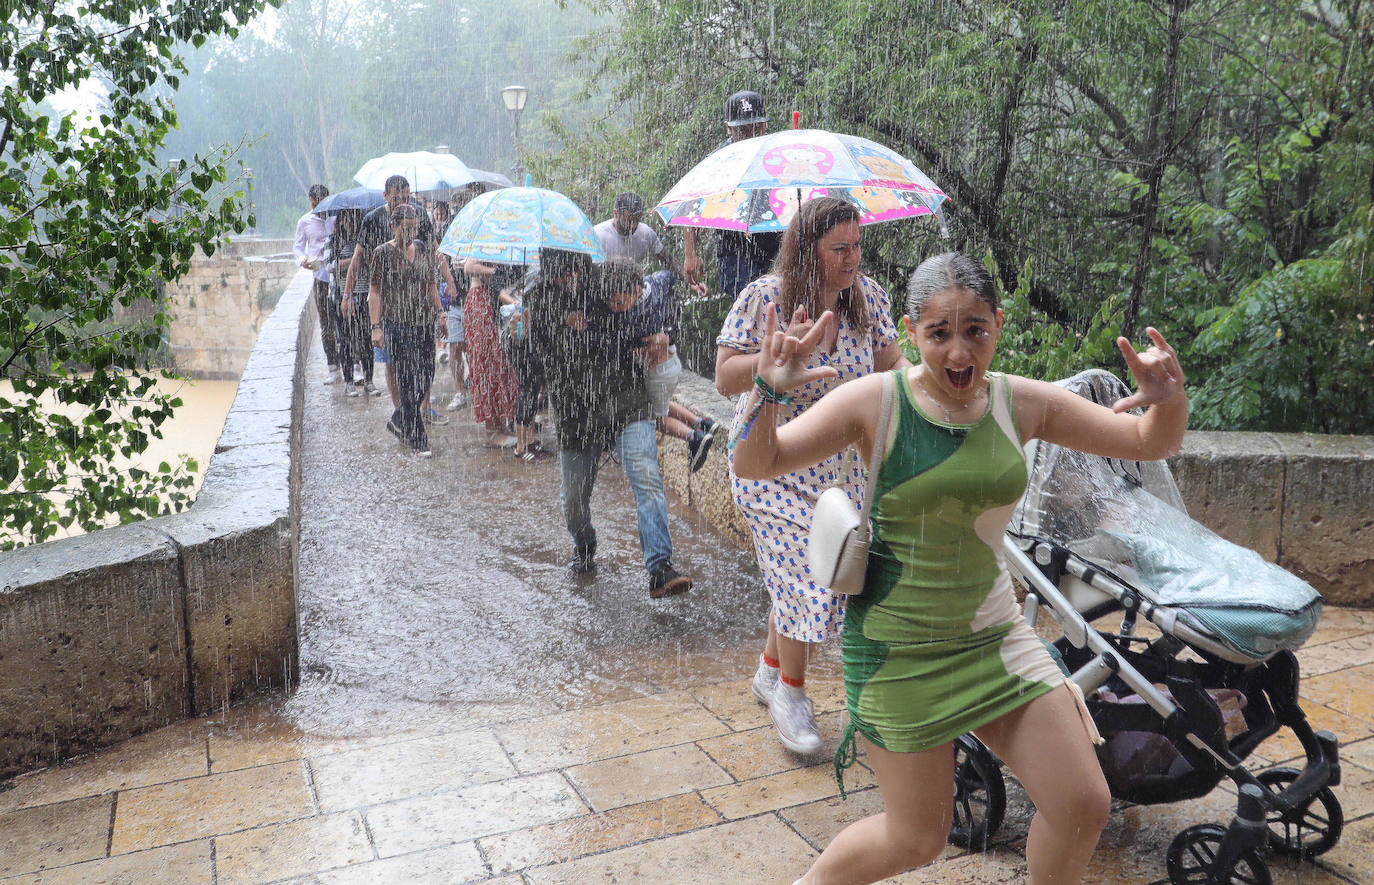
x,y
637,448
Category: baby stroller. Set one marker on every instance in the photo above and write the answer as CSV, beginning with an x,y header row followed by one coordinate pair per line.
x,y
1184,701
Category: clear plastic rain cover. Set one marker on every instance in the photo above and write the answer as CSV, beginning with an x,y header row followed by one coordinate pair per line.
x,y
1129,513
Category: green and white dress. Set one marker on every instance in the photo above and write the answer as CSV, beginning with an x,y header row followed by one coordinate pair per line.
x,y
936,644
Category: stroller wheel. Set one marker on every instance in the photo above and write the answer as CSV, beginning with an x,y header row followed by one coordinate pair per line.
x,y
1309,830
980,795
1193,851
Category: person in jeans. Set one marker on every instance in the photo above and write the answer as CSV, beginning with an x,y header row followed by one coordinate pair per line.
x,y
403,302
598,396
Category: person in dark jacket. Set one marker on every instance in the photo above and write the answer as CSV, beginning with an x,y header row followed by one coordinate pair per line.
x,y
597,393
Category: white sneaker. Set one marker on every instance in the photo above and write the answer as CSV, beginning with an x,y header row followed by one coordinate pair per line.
x,y
457,402
764,683
333,376
794,716
351,389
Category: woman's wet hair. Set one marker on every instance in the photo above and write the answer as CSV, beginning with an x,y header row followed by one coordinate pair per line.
x,y
620,275
799,268
403,212
952,270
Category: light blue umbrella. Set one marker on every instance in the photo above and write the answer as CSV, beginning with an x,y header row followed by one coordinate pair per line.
x,y
512,226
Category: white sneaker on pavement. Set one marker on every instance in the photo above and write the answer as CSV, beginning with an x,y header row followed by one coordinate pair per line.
x,y
765,681
333,376
794,717
457,402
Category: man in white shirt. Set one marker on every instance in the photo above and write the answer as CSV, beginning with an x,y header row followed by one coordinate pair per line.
x,y
312,242
625,235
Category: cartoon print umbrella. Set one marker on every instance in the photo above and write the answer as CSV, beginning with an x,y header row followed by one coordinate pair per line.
x,y
757,184
512,225
425,170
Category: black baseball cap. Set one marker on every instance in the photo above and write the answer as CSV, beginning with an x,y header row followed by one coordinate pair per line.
x,y
745,108
629,202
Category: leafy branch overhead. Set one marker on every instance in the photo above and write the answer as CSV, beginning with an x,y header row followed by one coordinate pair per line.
x,y
91,225
1205,166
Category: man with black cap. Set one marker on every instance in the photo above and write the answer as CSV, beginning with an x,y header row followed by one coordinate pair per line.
x,y
743,257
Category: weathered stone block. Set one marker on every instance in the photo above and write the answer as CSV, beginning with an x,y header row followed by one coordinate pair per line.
x,y
1233,484
92,644
1328,522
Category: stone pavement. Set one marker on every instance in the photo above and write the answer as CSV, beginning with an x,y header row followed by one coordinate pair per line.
x,y
453,725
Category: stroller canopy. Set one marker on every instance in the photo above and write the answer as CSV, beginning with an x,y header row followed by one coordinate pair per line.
x,y
1125,516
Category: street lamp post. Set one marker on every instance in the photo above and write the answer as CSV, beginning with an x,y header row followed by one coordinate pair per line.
x,y
513,97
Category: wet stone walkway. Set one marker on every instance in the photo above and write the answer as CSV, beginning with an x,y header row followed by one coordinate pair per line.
x,y
470,713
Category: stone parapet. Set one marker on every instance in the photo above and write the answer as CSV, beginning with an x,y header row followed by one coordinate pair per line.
x,y
219,306
1304,501
117,632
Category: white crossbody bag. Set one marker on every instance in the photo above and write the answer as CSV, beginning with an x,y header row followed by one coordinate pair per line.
x,y
837,546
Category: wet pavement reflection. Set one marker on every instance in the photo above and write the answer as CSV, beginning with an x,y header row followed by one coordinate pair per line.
x,y
429,583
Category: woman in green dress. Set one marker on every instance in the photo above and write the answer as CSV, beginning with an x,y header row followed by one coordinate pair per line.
x,y
936,646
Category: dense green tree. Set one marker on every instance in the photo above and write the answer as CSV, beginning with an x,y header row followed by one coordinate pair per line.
x,y
90,227
1202,165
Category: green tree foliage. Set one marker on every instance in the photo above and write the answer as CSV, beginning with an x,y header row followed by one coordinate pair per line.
x,y
1205,166
90,227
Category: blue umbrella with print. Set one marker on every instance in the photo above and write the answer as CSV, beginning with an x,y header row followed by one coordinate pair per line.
x,y
513,225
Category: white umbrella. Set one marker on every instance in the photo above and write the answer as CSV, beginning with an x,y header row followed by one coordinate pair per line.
x,y
425,170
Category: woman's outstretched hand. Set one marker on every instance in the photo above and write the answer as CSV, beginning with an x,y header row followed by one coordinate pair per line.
x,y
1158,376
782,356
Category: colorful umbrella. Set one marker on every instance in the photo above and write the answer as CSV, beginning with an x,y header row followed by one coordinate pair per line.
x,y
354,198
512,225
425,170
756,184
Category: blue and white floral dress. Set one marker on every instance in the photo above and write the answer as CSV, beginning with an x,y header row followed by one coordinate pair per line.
x,y
778,511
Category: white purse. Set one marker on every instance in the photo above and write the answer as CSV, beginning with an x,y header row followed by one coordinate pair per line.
x,y
837,545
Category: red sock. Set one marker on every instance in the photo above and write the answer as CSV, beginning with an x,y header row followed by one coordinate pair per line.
x,y
795,683
772,662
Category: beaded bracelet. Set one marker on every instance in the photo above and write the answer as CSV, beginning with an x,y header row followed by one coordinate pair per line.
x,y
766,395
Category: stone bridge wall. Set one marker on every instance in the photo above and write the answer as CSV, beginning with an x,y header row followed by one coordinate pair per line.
x,y
110,634
219,306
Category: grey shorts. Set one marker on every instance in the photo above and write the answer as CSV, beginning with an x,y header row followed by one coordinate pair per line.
x,y
454,317
660,382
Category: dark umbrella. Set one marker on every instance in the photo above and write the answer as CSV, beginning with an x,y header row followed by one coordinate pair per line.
x,y
354,198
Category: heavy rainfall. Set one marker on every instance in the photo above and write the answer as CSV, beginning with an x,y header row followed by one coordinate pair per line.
x,y
640,468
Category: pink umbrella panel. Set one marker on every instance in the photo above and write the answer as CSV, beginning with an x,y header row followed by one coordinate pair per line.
x,y
771,209
758,183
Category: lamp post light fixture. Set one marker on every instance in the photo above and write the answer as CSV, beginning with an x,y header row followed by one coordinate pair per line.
x,y
513,97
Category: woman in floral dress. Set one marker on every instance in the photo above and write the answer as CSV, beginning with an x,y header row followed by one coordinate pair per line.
x,y
491,380
817,269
